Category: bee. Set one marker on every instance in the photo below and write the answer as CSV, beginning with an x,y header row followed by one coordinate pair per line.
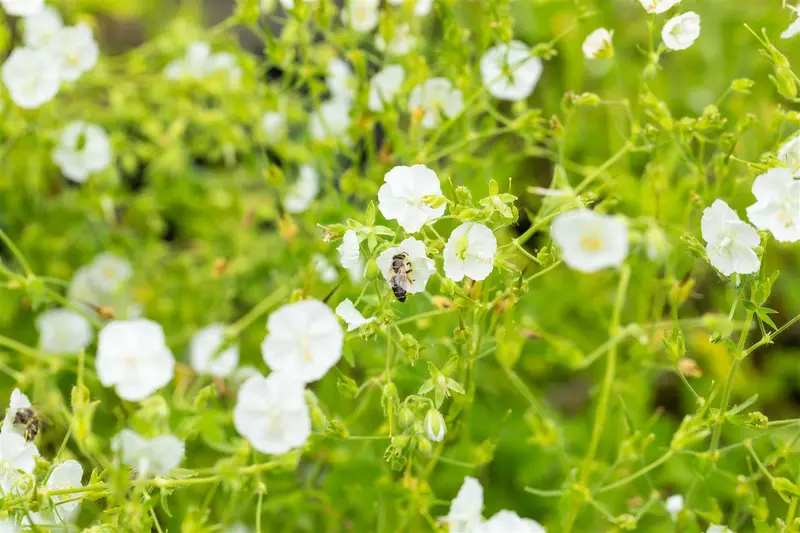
x,y
31,420
400,276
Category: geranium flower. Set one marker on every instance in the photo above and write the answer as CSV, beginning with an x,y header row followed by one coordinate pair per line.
x,y
340,80
792,30
403,196
730,242
41,28
17,457
271,413
598,44
160,455
32,77
361,15
384,86
67,475
658,6
303,191
435,98
777,206
510,72
590,241
83,149
210,353
332,121
63,331
465,509
400,43
681,32
422,267
470,252
674,506
76,50
274,126
510,522
22,8
304,340
789,153
347,311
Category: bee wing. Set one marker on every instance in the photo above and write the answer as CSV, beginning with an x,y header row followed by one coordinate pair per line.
x,y
403,282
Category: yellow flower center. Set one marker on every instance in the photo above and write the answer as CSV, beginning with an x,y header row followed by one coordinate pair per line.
x,y
591,244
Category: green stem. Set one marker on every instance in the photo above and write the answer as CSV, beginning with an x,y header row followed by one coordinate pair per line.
x,y
235,329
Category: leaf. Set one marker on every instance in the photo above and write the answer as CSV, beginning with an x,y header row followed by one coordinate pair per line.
x,y
454,385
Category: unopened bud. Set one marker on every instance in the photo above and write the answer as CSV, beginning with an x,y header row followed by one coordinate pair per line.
x,y
435,426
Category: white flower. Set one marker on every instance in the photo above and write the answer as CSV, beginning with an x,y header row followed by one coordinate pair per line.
x,y
227,64
465,509
17,457
327,272
8,525
510,522
233,528
590,241
730,241
340,80
349,251
210,353
421,7
384,86
713,528
789,153
402,197
657,243
274,126
194,65
598,44
435,97
104,282
400,43
271,413
76,50
17,401
362,15
674,506
470,252
681,32
83,149
435,426
289,4
658,6
67,475
158,456
304,340
422,267
331,121
31,77
777,206
42,27
347,311
243,373
510,72
132,357
63,331
303,191
22,8
792,30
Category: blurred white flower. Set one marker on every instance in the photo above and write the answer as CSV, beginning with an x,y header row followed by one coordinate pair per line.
x,y
349,251
303,191
658,6
243,373
160,455
225,63
384,86
210,353
789,153
509,522
327,272
674,506
792,30
31,77
590,241
435,426
274,126
7,525
730,242
289,4
434,98
465,509
63,331
332,121
304,340
17,401
400,43
234,528
713,528
422,267
76,50
17,457
777,206
107,274
271,413
421,7
132,357
361,15
598,44
39,29
682,31
470,252
657,243
67,475
402,197
199,63
22,8
510,71
83,149
347,311
340,80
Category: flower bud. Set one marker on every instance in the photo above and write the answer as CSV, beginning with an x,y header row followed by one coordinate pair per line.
x,y
372,270
424,446
435,426
405,418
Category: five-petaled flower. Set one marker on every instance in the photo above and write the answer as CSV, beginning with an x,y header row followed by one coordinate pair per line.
x,y
84,149
682,31
410,195
777,206
590,241
510,71
420,265
730,242
470,252
433,99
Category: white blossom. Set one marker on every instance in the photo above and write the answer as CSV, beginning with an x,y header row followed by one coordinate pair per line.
x,y
303,191
465,509
211,353
590,241
347,311
22,8
403,196
792,30
384,86
289,4
510,71
41,28
17,457
327,272
160,455
304,340
83,149
421,7
63,331
340,80
274,126
400,43
422,267
435,426
227,64
470,252
132,357
730,242
76,50
8,525
17,401
713,528
67,475
199,63
271,413
104,282
361,15
349,251
434,98
598,44
682,31
658,6
510,522
777,206
32,77
674,506
332,121
789,153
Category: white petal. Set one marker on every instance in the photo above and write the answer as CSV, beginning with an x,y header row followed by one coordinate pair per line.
x,y
347,311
